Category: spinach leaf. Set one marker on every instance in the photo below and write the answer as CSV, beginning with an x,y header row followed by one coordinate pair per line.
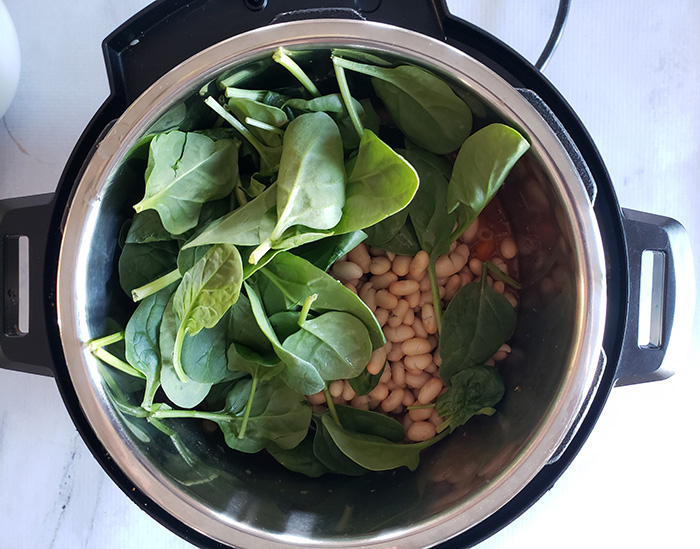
x,y
140,264
240,359
422,105
184,171
311,180
204,295
299,374
336,343
147,227
297,279
323,253
476,323
473,391
329,454
428,211
403,242
481,166
243,107
370,423
141,340
380,183
189,257
241,227
269,157
333,105
374,452
244,330
183,394
204,355
365,382
278,415
301,458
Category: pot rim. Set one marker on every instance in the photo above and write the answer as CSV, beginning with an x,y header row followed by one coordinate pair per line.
x,y
183,81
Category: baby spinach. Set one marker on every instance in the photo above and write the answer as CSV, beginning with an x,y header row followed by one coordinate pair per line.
x,y
299,374
241,227
428,212
311,179
328,453
140,264
147,227
323,253
278,415
297,279
184,171
365,382
269,157
380,183
477,321
422,105
473,391
301,458
336,343
186,394
291,186
374,452
142,349
204,295
369,422
482,164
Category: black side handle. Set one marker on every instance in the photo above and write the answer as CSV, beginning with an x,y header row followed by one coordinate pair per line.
x,y
168,32
24,230
671,302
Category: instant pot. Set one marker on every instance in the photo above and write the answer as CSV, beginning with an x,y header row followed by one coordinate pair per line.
x,y
570,348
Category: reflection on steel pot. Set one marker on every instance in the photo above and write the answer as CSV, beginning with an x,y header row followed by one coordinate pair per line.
x,y
568,349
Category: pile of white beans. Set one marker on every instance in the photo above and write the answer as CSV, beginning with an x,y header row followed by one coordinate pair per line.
x,y
397,290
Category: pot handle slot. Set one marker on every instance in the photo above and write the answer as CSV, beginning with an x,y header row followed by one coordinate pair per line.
x,y
24,341
661,297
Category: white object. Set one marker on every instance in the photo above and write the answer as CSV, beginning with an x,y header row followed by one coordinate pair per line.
x,y
9,60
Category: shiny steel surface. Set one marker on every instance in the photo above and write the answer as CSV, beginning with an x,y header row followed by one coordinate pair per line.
x,y
537,416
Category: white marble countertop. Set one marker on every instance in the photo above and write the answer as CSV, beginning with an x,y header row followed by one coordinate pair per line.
x,y
629,68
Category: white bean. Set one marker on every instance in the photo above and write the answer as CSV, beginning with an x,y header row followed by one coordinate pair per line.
x,y
416,346
360,256
393,401
383,281
428,318
419,264
380,392
430,390
336,388
386,300
413,299
399,334
420,414
420,431
346,270
376,361
398,314
401,265
380,265
382,316
418,362
508,248
402,288
396,353
348,392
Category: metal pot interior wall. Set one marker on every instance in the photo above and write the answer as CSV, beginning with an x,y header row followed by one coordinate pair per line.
x,y
251,498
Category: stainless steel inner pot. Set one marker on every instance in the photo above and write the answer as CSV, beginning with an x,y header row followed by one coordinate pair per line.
x,y
250,501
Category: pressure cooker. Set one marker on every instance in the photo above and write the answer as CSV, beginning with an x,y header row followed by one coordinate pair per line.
x,y
568,352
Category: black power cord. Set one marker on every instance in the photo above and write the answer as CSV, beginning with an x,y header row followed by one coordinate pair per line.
x,y
554,37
